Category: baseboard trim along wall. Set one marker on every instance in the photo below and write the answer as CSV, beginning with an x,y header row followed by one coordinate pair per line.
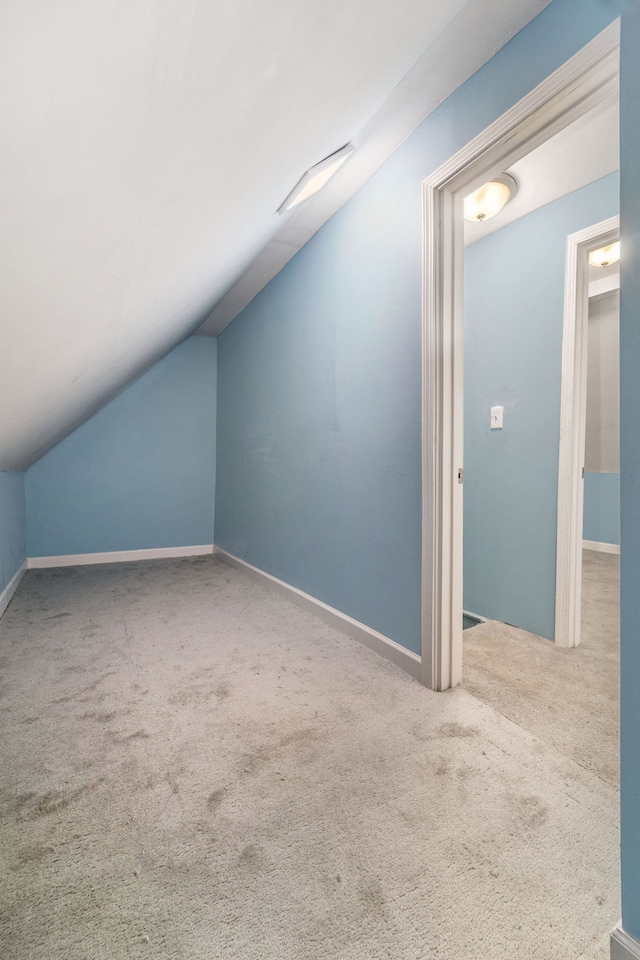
x,y
119,556
474,616
624,946
384,646
11,587
600,547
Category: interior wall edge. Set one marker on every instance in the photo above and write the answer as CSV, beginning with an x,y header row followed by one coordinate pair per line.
x,y
385,647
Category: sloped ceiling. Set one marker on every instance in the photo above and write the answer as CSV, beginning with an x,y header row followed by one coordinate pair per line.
x,y
147,147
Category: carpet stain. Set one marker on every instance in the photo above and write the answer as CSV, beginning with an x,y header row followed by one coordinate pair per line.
x,y
32,854
251,856
305,735
127,738
532,811
372,897
254,760
215,799
31,806
200,690
81,694
100,716
57,616
175,786
456,730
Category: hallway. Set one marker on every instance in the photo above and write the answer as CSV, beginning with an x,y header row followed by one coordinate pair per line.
x,y
569,698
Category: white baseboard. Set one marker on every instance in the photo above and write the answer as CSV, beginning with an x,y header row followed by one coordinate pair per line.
x,y
474,616
600,547
119,556
624,946
387,648
11,587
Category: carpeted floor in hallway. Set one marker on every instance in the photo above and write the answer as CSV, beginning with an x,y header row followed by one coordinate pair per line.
x,y
568,697
192,768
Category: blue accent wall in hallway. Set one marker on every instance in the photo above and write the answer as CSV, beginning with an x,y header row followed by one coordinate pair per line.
x,y
319,403
602,507
13,537
139,474
513,320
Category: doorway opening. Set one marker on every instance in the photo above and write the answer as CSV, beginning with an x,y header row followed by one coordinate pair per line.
x,y
584,83
513,324
582,289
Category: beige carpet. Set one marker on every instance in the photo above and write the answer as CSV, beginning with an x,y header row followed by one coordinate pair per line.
x,y
194,768
568,698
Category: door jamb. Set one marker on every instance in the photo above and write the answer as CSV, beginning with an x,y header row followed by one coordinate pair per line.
x,y
587,79
573,414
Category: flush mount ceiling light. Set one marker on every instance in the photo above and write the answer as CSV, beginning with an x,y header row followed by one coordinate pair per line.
x,y
490,198
605,256
316,177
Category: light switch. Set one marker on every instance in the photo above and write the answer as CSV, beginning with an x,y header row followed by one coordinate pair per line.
x,y
496,418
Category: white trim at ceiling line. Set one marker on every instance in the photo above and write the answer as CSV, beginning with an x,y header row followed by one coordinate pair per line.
x,y
599,547
11,587
118,556
573,415
586,80
384,646
624,946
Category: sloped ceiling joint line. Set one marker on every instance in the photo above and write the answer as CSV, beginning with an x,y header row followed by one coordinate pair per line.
x,y
436,74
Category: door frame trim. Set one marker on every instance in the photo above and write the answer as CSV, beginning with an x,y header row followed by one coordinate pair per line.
x,y
573,415
586,80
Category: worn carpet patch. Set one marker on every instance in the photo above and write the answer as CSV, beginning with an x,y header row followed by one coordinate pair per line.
x,y
192,767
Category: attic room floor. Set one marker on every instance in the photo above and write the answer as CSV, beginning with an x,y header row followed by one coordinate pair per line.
x,y
192,767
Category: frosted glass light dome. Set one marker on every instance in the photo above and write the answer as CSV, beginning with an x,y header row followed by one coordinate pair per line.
x,y
490,198
605,256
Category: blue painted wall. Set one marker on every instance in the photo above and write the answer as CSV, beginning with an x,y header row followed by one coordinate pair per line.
x,y
602,507
319,377
513,318
13,527
139,474
319,427
630,468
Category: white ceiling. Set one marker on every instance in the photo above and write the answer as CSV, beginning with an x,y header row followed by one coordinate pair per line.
x,y
147,147
581,153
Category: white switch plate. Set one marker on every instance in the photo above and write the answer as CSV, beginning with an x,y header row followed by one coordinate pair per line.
x,y
496,417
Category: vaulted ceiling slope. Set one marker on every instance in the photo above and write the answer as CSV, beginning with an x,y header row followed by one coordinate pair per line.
x,y
147,147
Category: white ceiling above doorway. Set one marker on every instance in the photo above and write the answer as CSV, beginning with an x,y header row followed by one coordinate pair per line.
x,y
581,153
